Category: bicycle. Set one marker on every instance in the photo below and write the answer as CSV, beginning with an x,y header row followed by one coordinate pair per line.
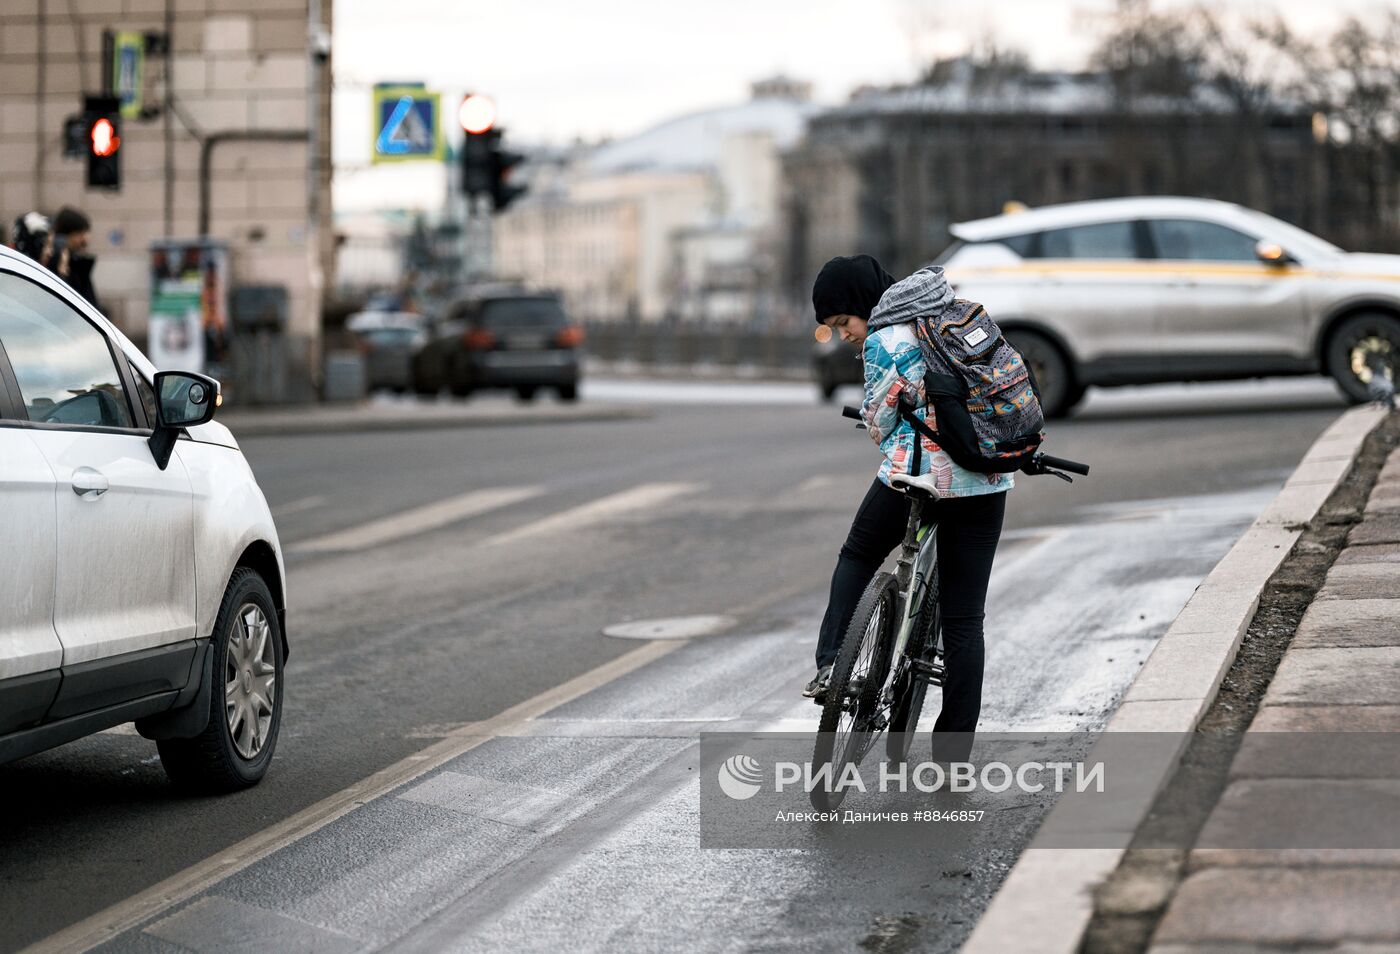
x,y
862,700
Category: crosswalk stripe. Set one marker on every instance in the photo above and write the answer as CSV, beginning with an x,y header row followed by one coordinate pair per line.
x,y
417,520
596,511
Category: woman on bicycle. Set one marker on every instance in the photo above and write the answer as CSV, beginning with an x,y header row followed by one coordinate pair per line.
x,y
858,300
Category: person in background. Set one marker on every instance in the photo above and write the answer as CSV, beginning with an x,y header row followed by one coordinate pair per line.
x,y
31,236
69,258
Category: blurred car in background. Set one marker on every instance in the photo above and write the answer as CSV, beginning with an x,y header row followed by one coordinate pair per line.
x,y
500,338
1145,290
388,340
835,363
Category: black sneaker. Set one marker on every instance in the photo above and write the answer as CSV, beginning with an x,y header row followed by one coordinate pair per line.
x,y
816,689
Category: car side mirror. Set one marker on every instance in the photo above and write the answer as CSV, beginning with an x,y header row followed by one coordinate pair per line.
x,y
1272,253
183,399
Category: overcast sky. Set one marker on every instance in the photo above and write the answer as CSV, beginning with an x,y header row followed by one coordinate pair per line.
x,y
561,69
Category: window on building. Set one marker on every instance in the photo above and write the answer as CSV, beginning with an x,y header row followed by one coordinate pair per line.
x,y
1193,240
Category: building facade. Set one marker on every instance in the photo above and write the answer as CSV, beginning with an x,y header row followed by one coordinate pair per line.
x,y
674,223
231,144
887,173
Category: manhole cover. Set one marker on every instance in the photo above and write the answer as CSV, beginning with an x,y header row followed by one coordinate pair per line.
x,y
677,627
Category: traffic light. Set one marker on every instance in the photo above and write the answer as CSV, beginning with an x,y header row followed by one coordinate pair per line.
x,y
476,164
478,117
486,165
103,142
502,162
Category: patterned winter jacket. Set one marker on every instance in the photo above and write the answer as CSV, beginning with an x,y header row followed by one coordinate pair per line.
x,y
893,365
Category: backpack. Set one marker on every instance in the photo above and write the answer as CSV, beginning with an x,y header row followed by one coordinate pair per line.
x,y
985,401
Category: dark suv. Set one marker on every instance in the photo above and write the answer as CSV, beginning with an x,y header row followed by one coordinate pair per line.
x,y
517,340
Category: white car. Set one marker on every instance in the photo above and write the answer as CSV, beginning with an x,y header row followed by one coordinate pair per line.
x,y
141,577
1141,290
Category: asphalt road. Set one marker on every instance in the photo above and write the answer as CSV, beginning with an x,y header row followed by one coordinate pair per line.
x,y
438,578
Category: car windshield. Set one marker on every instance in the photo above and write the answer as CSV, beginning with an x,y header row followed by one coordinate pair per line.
x,y
1291,237
948,252
509,314
389,336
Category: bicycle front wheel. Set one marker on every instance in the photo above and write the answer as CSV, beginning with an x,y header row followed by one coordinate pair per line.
x,y
850,714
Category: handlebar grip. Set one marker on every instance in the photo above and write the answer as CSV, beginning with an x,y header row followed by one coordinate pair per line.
x,y
851,412
1074,467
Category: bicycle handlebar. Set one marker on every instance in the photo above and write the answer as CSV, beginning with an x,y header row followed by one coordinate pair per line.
x,y
1039,464
1042,461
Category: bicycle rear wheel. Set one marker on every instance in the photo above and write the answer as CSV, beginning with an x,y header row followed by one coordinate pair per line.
x,y
909,691
849,716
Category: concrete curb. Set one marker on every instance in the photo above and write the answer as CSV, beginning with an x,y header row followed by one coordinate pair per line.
x,y
1046,902
361,418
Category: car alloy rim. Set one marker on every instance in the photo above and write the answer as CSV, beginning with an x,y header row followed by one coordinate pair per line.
x,y
250,680
1368,348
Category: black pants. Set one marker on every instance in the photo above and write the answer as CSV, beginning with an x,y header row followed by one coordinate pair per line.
x,y
968,531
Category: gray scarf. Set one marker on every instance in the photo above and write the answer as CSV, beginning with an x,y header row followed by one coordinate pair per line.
x,y
924,294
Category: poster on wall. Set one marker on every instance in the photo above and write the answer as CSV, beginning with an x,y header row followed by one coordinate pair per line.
x,y
189,306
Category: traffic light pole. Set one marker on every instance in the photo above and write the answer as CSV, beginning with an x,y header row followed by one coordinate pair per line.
x,y
476,237
483,167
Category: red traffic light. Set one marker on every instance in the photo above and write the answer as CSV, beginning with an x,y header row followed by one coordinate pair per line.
x,y
477,114
105,140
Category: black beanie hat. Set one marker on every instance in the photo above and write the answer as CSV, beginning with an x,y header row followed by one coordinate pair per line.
x,y
849,285
70,220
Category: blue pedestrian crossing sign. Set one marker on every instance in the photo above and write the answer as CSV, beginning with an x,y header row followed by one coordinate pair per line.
x,y
407,124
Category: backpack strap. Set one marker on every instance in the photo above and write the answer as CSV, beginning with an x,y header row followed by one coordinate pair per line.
x,y
920,430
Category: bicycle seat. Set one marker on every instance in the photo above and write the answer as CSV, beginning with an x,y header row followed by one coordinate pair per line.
x,y
921,486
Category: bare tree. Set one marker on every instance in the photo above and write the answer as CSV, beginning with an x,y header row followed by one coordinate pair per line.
x,y
1148,54
1351,82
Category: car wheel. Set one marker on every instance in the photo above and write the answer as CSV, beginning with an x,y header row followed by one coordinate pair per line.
x,y
1357,344
245,695
525,392
568,392
1053,376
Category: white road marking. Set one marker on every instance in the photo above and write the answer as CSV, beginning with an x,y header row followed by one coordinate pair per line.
x,y
596,511
297,506
127,914
417,520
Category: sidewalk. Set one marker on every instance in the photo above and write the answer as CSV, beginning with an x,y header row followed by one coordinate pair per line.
x,y
1340,673
406,415
1255,828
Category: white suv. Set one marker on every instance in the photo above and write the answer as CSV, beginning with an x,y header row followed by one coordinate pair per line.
x,y
1134,291
140,574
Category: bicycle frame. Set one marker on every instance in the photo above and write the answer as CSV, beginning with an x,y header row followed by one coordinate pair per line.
x,y
914,570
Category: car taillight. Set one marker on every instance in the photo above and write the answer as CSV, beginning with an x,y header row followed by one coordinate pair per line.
x,y
570,337
478,339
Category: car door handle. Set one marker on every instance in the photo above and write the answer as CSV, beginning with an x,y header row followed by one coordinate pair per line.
x,y
89,484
